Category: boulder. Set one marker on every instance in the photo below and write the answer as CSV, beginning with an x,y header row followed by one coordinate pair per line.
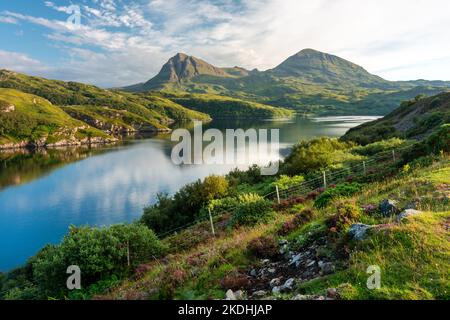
x,y
326,267
388,207
407,213
275,282
259,294
229,295
331,293
358,231
288,285
7,107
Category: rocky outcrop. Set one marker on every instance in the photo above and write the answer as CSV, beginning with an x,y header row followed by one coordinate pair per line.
x,y
6,108
407,213
358,231
388,207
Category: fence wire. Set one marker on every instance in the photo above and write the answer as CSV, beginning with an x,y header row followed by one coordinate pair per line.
x,y
325,179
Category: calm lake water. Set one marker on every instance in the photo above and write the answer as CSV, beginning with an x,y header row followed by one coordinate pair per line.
x,y
42,193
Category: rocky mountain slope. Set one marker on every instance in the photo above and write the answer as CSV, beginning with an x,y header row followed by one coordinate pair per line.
x,y
309,81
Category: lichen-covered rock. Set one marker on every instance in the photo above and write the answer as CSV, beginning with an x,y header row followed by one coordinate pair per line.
x,y
407,213
388,207
358,231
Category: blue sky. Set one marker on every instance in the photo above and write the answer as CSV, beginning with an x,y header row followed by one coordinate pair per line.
x,y
120,42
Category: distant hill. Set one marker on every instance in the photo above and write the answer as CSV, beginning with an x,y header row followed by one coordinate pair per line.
x,y
30,120
414,119
74,113
311,82
318,67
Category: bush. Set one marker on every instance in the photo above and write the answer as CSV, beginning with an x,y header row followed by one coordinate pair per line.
x,y
379,146
99,252
300,219
285,182
251,210
341,190
347,214
314,155
251,176
264,247
235,282
185,206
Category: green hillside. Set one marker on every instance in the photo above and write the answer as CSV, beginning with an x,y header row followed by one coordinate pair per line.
x,y
414,119
27,119
310,82
220,107
153,110
319,242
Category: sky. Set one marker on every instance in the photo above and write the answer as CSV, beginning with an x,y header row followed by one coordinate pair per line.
x,y
121,42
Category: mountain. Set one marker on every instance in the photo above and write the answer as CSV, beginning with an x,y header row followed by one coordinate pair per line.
x,y
180,68
310,82
319,67
414,119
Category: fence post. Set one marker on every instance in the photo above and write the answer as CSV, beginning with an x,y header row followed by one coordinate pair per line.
x,y
364,167
324,180
212,224
278,194
393,155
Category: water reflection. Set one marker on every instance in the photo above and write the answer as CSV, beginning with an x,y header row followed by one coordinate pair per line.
x,y
46,191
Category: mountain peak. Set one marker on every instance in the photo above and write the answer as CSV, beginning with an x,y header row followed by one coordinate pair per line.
x,y
183,67
320,67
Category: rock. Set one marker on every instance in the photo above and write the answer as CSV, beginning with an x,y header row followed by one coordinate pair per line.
x,y
326,268
254,273
295,260
265,261
331,293
310,263
229,295
407,213
7,108
283,242
240,295
320,298
284,249
303,297
276,290
259,294
358,231
388,207
275,282
288,285
271,270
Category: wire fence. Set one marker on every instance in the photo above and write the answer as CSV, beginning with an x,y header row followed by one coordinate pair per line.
x,y
322,181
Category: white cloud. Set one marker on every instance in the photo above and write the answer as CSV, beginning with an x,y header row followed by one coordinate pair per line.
x,y
396,39
21,63
9,20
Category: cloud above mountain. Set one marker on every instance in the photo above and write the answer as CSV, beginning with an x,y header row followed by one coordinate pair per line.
x,y
121,42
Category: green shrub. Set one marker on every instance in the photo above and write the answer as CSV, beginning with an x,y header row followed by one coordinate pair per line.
x,y
341,190
99,252
185,206
285,182
317,154
379,146
347,214
251,210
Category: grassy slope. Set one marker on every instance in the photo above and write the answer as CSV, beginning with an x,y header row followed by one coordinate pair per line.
x,y
225,107
155,110
35,118
411,120
414,256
